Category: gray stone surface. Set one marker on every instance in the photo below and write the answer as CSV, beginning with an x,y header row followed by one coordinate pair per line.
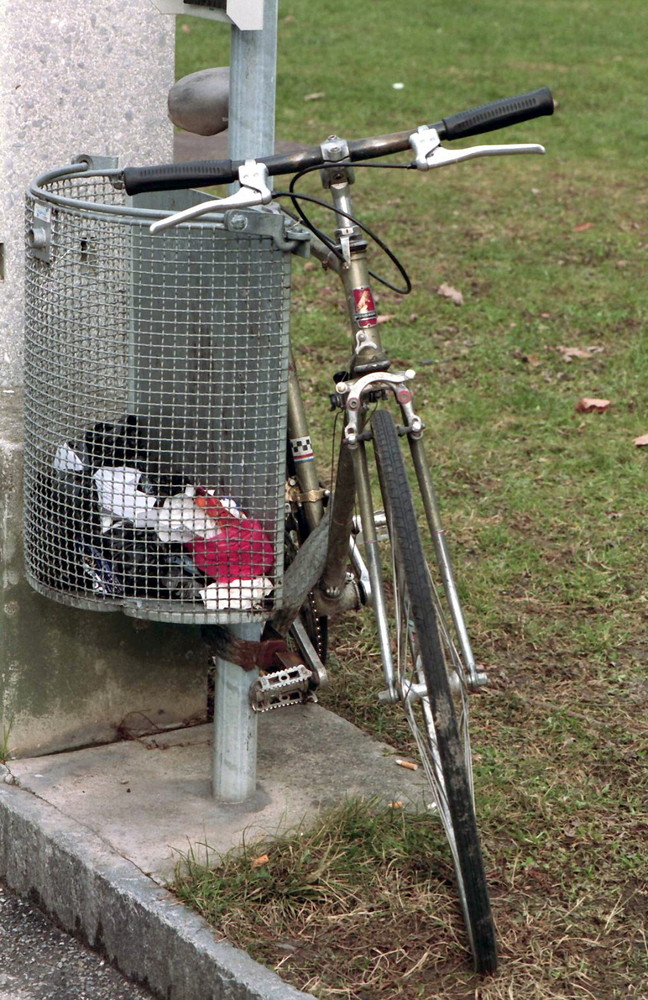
x,y
80,831
92,891
70,677
38,960
75,78
150,798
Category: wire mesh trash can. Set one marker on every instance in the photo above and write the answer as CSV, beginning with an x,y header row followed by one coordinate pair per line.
x,y
155,401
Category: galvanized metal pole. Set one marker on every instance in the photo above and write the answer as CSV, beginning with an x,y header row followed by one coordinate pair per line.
x,y
253,62
235,728
253,75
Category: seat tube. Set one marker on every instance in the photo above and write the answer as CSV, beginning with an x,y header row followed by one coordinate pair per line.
x,y
301,448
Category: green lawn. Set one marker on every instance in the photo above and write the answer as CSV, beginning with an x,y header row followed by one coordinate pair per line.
x,y
545,506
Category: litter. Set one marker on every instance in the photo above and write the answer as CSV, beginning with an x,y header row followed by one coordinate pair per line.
x,y
118,494
240,549
236,594
125,526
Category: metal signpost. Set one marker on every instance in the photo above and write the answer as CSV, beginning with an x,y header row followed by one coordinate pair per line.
x,y
251,134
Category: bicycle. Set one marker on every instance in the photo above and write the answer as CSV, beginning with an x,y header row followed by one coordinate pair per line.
x,y
338,560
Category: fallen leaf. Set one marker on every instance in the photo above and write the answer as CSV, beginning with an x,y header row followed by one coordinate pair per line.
x,y
579,352
528,359
589,405
583,226
448,292
317,96
641,441
260,861
384,318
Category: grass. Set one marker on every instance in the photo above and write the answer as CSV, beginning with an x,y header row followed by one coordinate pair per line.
x,y
364,873
545,506
5,745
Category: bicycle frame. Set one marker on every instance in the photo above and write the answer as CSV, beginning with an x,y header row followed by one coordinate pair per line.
x,y
369,377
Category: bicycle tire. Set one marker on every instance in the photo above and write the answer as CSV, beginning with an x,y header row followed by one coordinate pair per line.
x,y
445,759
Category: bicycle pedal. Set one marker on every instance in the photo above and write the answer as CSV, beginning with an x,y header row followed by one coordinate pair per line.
x,y
294,684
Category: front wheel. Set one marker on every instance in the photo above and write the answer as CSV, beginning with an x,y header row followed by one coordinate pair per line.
x,y
431,690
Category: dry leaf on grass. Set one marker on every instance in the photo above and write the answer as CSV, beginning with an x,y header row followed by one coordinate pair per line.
x,y
384,318
579,352
641,441
260,861
448,292
317,96
528,359
589,405
583,226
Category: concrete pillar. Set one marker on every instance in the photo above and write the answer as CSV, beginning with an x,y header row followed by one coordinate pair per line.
x,y
75,77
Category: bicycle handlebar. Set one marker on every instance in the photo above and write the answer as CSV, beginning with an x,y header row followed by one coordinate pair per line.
x,y
200,173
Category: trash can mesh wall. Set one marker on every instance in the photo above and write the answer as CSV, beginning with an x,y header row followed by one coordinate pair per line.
x,y
155,417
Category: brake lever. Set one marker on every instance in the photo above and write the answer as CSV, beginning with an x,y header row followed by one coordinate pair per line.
x,y
254,190
429,152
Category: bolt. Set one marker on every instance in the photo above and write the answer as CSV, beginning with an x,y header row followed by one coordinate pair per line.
x,y
238,222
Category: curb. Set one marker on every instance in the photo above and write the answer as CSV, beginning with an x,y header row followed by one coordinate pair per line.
x,y
96,894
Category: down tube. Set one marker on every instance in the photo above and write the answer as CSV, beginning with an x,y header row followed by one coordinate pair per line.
x,y
442,554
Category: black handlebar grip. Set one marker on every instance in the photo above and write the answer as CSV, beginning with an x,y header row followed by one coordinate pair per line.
x,y
171,176
499,114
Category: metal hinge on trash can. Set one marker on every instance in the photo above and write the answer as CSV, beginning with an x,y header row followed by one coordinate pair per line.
x,y
287,234
39,234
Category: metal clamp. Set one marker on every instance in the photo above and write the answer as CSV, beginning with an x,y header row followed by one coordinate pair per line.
x,y
295,495
254,190
424,141
334,149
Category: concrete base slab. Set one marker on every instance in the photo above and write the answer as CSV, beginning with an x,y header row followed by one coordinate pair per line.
x,y
92,834
150,799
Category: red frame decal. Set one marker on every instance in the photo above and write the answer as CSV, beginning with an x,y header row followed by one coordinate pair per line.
x,y
365,309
